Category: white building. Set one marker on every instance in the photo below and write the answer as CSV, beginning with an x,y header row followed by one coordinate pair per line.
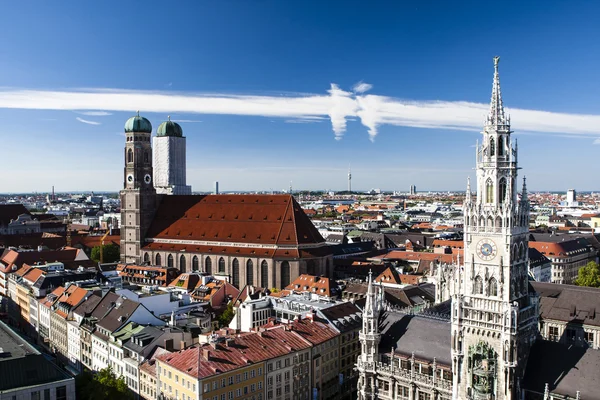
x,y
169,160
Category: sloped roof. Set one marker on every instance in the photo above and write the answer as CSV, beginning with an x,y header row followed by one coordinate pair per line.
x,y
313,284
390,275
11,211
260,219
118,315
569,303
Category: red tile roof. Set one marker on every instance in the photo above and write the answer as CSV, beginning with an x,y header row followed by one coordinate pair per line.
x,y
417,256
260,219
313,284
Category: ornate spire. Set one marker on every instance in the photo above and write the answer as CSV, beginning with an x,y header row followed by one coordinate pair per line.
x,y
496,116
468,194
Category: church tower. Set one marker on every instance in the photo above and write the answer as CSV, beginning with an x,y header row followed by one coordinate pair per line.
x,y
494,316
369,338
138,197
169,160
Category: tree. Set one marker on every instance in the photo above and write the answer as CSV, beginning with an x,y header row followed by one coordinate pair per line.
x,y
112,253
102,385
588,275
227,315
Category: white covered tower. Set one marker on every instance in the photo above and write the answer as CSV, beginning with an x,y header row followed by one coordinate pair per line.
x,y
169,160
494,318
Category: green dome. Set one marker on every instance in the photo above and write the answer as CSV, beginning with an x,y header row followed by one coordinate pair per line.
x,y
169,128
138,124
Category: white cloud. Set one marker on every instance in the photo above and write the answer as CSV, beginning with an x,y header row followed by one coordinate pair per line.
x,y
94,113
362,87
85,121
337,105
597,141
186,120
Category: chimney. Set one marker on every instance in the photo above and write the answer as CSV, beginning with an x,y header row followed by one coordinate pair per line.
x,y
206,354
229,342
169,344
182,345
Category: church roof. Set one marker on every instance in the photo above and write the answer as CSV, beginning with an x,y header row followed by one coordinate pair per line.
x,y
248,219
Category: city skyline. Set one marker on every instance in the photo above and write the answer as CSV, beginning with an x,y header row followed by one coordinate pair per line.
x,y
258,114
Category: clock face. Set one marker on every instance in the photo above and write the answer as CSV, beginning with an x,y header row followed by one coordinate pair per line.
x,y
486,249
130,178
147,179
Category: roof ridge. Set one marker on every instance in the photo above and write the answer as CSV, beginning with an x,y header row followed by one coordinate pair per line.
x,y
283,223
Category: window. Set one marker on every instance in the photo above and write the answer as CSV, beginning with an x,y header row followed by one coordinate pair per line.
x,y
35,395
264,274
492,152
208,265
46,394
182,263
170,261
478,286
195,265
285,274
146,158
146,258
221,265
235,273
157,260
589,337
493,287
249,272
129,156
500,146
424,396
489,190
502,188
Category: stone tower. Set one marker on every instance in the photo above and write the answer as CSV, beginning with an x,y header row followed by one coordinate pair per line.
x,y
138,197
369,338
169,159
494,315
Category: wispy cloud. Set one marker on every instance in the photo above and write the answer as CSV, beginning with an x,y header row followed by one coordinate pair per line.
x,y
186,120
597,141
337,105
94,113
362,87
85,121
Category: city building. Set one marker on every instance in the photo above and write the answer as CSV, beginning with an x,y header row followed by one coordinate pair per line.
x,y
566,256
264,240
28,374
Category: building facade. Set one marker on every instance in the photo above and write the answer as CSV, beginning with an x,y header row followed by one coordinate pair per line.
x,y
169,160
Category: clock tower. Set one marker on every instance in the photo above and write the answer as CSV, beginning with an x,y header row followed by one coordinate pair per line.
x,y
494,314
138,197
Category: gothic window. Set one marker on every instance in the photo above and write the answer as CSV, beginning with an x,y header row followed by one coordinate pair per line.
x,y
490,222
478,285
221,265
285,274
502,191
146,258
195,265
170,261
489,191
182,263
500,146
492,147
498,222
249,272
208,265
493,287
515,252
157,260
264,274
235,273
129,156
146,158
521,251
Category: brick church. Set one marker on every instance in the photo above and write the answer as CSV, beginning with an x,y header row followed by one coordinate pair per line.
x,y
262,240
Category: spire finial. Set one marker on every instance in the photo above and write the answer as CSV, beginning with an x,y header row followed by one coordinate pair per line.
x,y
496,116
138,113
468,194
169,117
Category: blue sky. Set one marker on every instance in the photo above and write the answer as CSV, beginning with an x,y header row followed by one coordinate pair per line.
x,y
251,82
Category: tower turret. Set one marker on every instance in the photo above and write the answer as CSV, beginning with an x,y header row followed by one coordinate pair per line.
x,y
369,338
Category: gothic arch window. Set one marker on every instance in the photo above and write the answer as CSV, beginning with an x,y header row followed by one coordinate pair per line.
x,y
249,272
129,156
157,260
500,146
492,147
285,274
521,251
490,222
489,191
478,285
146,158
502,190
493,287
182,263
170,261
146,258
221,265
208,265
235,273
515,252
195,265
264,274
498,223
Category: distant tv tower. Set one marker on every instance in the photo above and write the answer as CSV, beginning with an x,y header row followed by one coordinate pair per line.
x,y
290,187
349,180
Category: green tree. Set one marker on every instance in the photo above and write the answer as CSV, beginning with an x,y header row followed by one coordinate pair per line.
x,y
112,253
227,315
102,385
588,275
